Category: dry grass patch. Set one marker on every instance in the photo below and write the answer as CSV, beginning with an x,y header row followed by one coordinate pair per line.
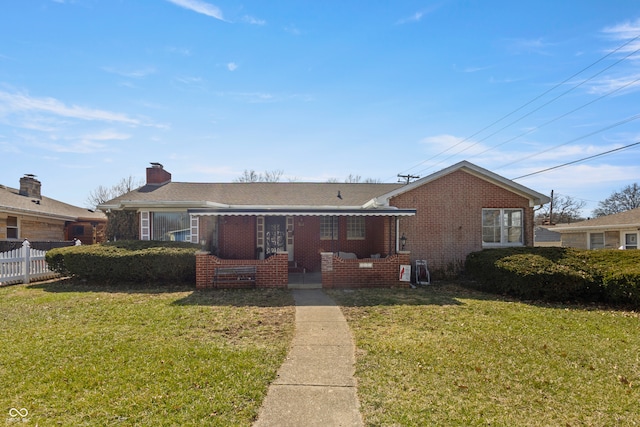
x,y
444,355
90,355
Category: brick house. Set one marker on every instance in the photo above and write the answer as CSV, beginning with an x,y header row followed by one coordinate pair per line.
x,y
617,231
439,218
26,214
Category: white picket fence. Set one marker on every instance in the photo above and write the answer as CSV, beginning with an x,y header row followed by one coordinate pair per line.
x,y
24,265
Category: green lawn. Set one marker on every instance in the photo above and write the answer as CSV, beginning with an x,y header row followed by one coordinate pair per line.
x,y
440,355
87,355
447,356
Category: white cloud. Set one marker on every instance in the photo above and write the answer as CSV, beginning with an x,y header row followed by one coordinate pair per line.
x,y
610,84
450,144
200,6
107,135
17,102
416,17
232,66
253,21
135,74
520,46
625,31
79,147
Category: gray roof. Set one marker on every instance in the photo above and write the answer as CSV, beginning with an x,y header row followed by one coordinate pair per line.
x,y
543,234
293,196
626,219
265,194
11,201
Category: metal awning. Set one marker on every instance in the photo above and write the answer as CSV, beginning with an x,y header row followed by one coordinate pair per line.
x,y
321,211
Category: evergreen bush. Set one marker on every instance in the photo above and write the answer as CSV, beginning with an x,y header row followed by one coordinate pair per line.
x,y
559,274
127,261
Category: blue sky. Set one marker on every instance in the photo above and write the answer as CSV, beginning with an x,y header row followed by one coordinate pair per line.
x,y
91,91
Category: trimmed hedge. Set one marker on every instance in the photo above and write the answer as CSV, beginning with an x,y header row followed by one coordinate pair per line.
x,y
559,274
127,261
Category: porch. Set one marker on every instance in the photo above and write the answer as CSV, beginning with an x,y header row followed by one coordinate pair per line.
x,y
336,272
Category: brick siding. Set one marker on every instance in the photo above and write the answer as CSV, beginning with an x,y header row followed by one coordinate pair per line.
x,y
448,223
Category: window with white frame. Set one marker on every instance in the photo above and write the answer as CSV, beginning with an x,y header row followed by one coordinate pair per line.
x,y
170,226
631,241
596,240
502,227
355,228
328,228
12,227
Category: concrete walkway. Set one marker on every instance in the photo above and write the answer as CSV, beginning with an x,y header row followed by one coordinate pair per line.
x,y
315,384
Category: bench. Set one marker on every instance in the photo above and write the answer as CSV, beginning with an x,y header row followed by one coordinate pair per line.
x,y
239,276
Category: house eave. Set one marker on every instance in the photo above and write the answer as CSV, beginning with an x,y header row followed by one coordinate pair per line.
x,y
610,227
535,198
300,211
29,212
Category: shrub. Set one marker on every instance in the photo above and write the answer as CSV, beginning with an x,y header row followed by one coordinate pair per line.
x,y
126,262
559,274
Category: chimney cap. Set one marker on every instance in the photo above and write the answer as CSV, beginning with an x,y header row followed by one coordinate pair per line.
x,y
29,175
157,165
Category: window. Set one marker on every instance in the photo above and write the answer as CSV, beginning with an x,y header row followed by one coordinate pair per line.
x,y
502,227
596,241
12,227
328,228
355,228
170,226
631,241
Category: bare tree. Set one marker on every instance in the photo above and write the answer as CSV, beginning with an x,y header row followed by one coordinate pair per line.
x,y
253,176
103,194
273,176
355,179
561,210
619,201
120,224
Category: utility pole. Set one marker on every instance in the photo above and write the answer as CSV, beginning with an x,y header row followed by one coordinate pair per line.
x,y
408,178
551,210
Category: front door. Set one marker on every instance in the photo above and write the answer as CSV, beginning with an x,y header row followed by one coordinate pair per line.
x,y
275,235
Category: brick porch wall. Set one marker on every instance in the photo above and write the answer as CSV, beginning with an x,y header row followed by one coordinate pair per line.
x,y
363,273
271,272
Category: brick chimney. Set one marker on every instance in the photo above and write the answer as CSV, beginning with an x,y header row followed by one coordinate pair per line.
x,y
156,175
30,186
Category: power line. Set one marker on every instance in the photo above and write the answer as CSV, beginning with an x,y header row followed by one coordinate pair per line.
x,y
530,102
578,161
561,117
541,107
621,122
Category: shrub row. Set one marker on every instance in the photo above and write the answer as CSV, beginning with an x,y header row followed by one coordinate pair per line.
x,y
559,274
127,261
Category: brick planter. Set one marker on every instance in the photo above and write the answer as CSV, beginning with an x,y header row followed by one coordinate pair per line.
x,y
271,272
363,273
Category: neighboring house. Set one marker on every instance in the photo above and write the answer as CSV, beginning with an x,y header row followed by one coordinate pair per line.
x,y
546,236
617,231
26,214
440,218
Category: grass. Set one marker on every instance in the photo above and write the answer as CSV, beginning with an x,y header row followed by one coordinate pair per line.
x,y
90,355
440,355
447,356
